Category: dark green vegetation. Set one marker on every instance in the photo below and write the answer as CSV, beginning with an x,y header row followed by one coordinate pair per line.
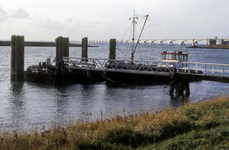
x,y
194,126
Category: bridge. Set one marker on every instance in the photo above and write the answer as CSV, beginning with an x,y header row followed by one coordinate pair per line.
x,y
158,41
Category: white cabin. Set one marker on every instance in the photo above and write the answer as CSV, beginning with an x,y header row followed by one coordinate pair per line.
x,y
175,56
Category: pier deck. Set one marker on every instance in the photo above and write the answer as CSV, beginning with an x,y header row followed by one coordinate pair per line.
x,y
193,70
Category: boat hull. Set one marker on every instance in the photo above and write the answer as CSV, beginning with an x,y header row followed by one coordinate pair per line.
x,y
38,77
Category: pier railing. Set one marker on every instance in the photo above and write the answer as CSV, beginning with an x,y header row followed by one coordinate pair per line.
x,y
204,69
125,66
147,67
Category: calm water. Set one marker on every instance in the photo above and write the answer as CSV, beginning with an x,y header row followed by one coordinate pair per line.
x,y
26,104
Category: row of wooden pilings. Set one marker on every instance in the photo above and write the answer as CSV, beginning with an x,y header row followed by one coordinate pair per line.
x,y
62,50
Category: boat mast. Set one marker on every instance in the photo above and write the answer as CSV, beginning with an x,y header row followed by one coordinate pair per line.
x,y
134,47
132,57
134,22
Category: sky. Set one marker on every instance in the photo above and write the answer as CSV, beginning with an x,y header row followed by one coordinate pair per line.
x,y
44,20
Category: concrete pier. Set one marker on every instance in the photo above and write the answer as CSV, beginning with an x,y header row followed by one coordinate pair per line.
x,y
17,58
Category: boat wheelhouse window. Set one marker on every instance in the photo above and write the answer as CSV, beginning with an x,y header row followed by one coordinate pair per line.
x,y
163,56
185,57
180,57
169,56
174,57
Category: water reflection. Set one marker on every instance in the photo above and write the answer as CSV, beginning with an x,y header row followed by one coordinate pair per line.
x,y
61,101
17,90
177,101
134,98
92,98
17,104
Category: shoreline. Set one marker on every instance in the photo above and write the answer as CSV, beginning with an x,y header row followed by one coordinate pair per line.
x,y
211,46
41,44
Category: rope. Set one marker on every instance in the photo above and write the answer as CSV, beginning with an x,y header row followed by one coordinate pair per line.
x,y
106,77
150,34
121,52
149,29
165,91
50,70
109,78
125,33
125,54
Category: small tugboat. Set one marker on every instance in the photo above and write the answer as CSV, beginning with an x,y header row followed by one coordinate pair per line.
x,y
40,73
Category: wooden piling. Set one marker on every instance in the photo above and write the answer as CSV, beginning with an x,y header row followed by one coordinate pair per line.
x,y
66,47
62,48
17,58
85,48
59,49
112,49
172,86
87,73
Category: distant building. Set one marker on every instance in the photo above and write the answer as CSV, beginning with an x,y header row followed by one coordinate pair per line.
x,y
211,42
221,42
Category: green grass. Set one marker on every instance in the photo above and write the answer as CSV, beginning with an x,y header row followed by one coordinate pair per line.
x,y
214,138
198,126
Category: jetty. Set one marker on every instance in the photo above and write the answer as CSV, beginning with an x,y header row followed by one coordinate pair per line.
x,y
67,70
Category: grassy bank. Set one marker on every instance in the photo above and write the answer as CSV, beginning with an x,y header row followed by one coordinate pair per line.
x,y
198,126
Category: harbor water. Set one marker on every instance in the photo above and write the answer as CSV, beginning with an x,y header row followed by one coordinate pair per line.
x,y
26,104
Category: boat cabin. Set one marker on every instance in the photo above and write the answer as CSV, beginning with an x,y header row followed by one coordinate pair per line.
x,y
175,56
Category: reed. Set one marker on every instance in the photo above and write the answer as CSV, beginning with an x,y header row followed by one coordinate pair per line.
x,y
197,126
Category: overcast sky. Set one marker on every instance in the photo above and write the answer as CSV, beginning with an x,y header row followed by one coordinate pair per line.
x,y
104,19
